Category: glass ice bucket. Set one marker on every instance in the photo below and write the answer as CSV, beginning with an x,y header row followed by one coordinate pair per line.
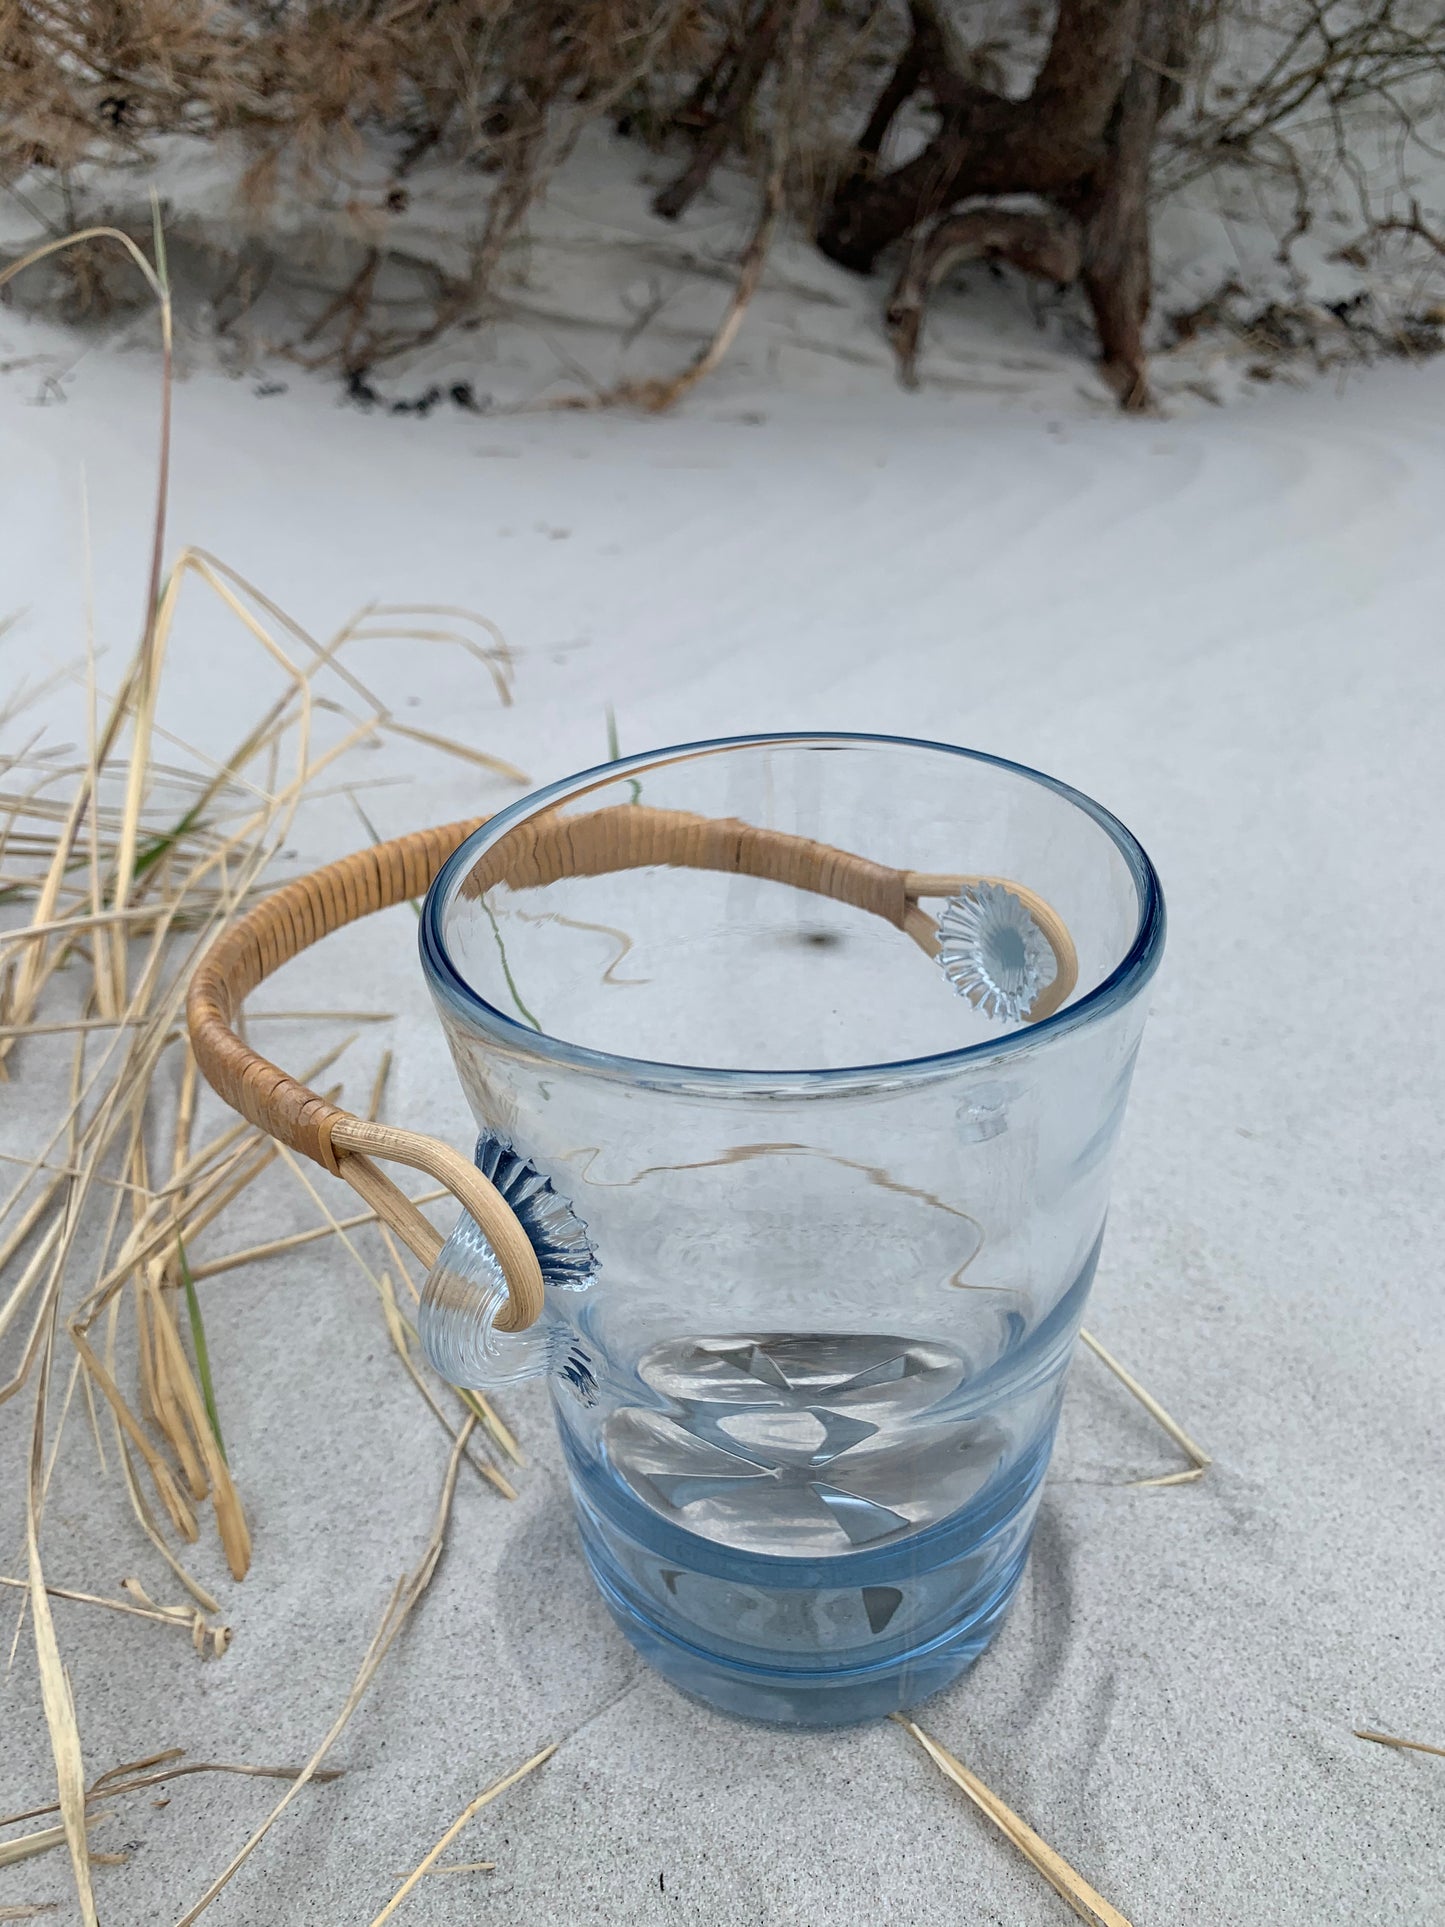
x,y
800,1061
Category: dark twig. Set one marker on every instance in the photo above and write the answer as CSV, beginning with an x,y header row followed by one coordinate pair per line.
x,y
736,97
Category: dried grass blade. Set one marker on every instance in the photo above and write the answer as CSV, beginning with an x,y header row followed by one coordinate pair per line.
x,y
217,573
171,1497
204,1203
141,1507
230,1519
131,1779
451,1866
482,1799
185,1113
206,1200
145,1355
139,1504
34,971
30,1276
94,1417
482,1408
1405,1746
404,1597
277,1247
1070,1886
74,240
1194,1453
323,1775
396,1325
70,1029
34,1212
397,1330
171,1413
34,1344
12,1852
134,1766
378,1086
181,1616
450,747
157,633
54,1685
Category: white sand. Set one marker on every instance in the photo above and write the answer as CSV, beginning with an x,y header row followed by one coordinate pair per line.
x,y
1227,627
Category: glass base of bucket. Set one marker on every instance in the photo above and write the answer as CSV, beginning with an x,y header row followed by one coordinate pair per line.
x,y
811,1642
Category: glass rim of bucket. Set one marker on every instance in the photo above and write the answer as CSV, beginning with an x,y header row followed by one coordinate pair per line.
x,y
1124,982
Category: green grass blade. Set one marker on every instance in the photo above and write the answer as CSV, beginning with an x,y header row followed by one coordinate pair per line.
x,y
507,968
375,835
203,1355
614,752
151,853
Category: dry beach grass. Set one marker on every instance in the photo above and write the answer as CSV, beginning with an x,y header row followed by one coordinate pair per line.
x,y
124,865
126,879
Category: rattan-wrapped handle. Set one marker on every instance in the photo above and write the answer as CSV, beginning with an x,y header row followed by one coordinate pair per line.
x,y
298,915
537,852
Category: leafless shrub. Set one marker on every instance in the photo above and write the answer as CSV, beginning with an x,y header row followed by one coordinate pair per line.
x,y
1335,111
333,105
335,102
1303,80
